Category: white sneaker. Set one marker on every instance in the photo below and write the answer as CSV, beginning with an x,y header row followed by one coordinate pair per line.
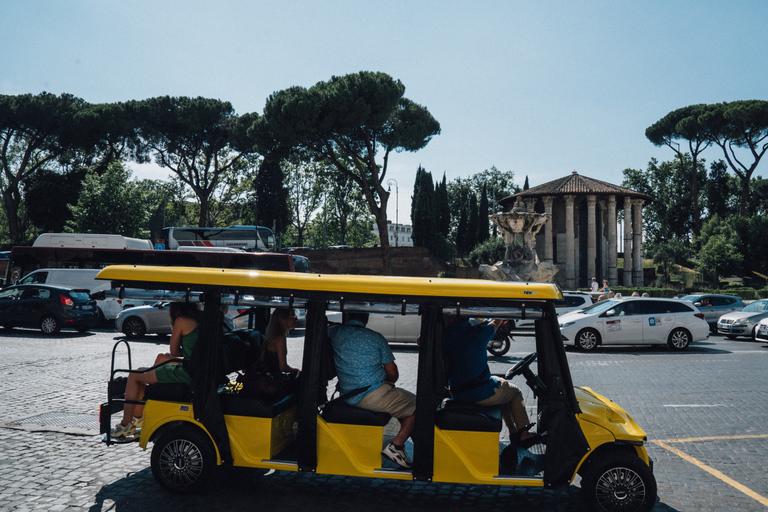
x,y
397,456
138,421
123,431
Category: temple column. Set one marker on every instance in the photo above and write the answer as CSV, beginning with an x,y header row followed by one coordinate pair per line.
x,y
627,241
591,238
637,231
549,253
570,238
612,270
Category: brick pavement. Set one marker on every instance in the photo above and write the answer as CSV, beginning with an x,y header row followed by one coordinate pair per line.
x,y
712,399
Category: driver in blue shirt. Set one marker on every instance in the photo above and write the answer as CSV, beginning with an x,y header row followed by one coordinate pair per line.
x,y
471,380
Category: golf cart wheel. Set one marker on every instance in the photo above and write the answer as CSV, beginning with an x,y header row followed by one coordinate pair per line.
x,y
183,459
618,482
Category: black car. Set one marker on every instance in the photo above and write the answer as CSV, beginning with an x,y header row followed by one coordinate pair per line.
x,y
49,308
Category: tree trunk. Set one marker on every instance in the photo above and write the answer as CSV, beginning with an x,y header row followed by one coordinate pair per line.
x,y
695,195
381,223
11,207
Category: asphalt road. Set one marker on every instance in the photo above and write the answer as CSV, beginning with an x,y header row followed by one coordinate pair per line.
x,y
705,411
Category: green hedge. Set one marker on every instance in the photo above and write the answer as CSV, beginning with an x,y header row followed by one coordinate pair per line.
x,y
745,293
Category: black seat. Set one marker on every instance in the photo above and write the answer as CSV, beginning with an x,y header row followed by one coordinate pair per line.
x,y
342,412
457,415
241,405
169,392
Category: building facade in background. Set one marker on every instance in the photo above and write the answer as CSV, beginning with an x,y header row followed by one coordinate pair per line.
x,y
581,237
399,234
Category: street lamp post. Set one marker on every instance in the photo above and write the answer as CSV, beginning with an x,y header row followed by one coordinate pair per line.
x,y
397,208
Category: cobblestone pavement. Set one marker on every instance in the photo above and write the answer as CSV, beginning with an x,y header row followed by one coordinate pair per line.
x,y
705,411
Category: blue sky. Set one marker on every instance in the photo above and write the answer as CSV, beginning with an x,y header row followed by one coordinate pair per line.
x,y
537,88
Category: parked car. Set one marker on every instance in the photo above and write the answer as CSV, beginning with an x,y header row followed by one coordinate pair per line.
x,y
744,322
715,306
761,333
634,320
48,308
571,301
109,305
395,327
154,319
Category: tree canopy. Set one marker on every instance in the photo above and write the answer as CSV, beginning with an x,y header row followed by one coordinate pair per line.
x,y
199,139
349,121
34,132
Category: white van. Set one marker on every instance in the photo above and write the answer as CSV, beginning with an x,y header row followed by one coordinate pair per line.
x,y
84,278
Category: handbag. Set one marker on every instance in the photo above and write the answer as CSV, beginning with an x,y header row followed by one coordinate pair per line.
x,y
259,382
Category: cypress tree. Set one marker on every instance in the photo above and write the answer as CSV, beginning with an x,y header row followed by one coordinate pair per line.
x,y
482,222
473,223
423,211
443,208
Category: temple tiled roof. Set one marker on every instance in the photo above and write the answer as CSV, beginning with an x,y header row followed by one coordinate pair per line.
x,y
575,184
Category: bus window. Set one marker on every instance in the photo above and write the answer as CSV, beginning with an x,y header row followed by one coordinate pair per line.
x,y
243,237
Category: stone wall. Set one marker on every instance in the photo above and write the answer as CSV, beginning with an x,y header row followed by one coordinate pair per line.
x,y
405,261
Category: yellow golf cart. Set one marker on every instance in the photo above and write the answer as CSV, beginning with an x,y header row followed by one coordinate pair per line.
x,y
195,428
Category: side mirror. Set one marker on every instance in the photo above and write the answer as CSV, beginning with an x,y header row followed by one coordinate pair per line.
x,y
697,304
610,312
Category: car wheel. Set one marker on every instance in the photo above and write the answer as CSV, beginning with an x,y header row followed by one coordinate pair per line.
x,y
133,327
182,460
679,339
618,481
49,325
588,339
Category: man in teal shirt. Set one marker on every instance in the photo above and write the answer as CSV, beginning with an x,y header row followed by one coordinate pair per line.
x,y
363,358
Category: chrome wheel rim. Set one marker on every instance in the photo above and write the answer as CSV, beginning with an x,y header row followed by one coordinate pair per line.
x,y
181,462
587,340
620,489
48,325
679,339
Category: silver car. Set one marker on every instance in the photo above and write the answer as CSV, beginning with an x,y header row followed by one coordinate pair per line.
x,y
744,322
142,320
715,306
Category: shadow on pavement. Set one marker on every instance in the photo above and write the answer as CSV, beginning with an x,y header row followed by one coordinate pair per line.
x,y
248,489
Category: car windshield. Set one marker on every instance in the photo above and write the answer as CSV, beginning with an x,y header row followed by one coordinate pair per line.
x,y
599,307
691,298
757,307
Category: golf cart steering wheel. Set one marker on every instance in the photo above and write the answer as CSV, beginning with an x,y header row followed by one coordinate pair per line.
x,y
521,366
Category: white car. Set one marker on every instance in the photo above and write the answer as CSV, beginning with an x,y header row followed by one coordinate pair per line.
x,y
761,332
634,321
395,327
572,301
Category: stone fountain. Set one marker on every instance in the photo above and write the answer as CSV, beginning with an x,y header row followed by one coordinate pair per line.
x,y
520,263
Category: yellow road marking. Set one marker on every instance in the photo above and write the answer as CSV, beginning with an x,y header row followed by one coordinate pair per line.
x,y
713,438
712,471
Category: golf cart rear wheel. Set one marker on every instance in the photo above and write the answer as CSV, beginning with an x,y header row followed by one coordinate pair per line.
x,y
183,459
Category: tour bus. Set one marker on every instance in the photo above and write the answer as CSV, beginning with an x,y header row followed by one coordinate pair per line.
x,y
211,422
96,252
240,237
